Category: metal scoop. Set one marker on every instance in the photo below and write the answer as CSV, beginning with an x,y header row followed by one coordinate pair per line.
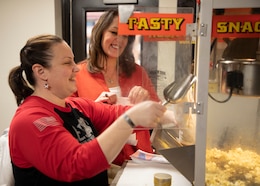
x,y
176,91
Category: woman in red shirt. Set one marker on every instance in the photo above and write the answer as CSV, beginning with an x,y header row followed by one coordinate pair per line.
x,y
57,140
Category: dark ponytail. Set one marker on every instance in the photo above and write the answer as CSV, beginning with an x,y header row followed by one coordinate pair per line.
x,y
18,85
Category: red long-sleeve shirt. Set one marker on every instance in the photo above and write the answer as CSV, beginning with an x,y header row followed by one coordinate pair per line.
x,y
38,139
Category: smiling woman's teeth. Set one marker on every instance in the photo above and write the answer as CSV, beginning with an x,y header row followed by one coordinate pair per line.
x,y
115,46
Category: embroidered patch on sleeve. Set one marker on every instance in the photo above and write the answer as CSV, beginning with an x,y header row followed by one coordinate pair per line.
x,y
44,122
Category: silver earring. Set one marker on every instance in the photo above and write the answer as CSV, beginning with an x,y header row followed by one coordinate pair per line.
x,y
46,86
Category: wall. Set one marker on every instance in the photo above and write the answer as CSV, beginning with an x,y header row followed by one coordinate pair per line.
x,y
20,20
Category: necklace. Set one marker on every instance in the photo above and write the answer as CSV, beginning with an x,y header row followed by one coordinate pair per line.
x,y
111,79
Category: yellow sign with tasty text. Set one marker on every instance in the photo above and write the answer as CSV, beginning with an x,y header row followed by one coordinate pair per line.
x,y
156,24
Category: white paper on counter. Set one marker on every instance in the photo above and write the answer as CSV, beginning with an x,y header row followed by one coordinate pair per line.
x,y
144,157
135,174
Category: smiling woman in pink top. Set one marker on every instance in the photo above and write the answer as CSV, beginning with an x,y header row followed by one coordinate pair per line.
x,y
110,74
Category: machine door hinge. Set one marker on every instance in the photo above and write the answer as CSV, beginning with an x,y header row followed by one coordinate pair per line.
x,y
195,108
203,30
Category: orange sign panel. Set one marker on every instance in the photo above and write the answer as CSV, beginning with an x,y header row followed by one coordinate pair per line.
x,y
241,26
156,24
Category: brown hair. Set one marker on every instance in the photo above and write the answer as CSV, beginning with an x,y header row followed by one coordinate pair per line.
x,y
96,52
37,50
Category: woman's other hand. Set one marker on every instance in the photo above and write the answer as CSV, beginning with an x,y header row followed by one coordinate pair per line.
x,y
138,94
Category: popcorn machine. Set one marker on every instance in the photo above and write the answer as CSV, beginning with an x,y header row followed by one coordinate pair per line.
x,y
227,132
226,104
